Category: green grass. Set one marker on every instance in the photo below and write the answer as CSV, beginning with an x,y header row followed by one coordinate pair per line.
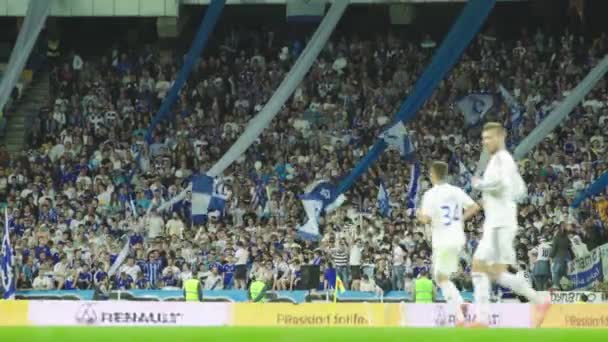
x,y
87,334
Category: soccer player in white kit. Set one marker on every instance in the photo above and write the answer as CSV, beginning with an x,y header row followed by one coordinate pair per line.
x,y
446,207
501,186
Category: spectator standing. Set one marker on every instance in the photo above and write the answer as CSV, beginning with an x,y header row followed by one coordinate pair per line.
x,y
542,266
560,255
240,276
131,268
155,225
153,268
340,258
355,264
398,267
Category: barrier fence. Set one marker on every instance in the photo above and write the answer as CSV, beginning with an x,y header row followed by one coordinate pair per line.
x,y
118,313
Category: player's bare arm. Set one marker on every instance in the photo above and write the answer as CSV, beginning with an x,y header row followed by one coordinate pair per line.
x,y
471,211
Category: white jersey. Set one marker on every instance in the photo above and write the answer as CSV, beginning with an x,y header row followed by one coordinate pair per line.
x,y
501,187
544,251
445,204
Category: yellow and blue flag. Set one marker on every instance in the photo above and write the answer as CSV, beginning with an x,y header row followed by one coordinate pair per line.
x,y
339,288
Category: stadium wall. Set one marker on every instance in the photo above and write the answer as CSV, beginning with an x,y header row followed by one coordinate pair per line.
x,y
115,313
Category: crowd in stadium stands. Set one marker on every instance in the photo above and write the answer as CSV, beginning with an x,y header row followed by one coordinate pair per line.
x,y
71,195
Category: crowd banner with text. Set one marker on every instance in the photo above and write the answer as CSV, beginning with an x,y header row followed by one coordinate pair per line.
x,y
585,271
576,316
316,314
14,313
516,315
118,313
604,257
572,297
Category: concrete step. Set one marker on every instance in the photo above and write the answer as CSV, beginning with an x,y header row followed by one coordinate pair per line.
x,y
34,97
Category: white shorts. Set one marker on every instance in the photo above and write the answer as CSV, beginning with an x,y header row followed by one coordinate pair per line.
x,y
497,246
445,260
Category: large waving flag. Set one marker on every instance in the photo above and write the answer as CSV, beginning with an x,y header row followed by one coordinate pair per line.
x,y
397,137
475,106
207,196
6,262
120,258
321,197
414,186
599,186
383,200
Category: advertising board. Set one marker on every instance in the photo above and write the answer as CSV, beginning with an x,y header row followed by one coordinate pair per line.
x,y
442,315
14,313
123,313
316,314
576,316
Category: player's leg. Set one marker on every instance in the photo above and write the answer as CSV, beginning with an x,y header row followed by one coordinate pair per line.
x,y
483,257
445,264
505,257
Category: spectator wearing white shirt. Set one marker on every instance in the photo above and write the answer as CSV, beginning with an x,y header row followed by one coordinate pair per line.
x,y
155,225
213,280
171,269
354,262
240,276
369,285
175,226
185,274
398,267
130,268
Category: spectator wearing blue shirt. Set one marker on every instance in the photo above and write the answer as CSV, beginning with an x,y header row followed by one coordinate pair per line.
x,y
142,282
228,270
170,279
153,268
100,274
69,283
329,277
123,281
85,278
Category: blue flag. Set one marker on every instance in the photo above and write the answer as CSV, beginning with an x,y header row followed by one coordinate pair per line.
x,y
383,200
475,106
207,197
321,197
6,262
412,194
397,137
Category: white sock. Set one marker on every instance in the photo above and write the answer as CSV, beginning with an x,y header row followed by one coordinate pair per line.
x,y
481,285
453,297
520,286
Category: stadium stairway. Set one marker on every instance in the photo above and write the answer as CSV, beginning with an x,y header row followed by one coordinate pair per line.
x,y
17,126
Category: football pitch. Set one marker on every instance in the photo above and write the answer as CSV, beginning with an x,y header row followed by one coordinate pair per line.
x,y
227,334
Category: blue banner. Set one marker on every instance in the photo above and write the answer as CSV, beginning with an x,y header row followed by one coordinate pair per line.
x,y
594,189
212,15
585,271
